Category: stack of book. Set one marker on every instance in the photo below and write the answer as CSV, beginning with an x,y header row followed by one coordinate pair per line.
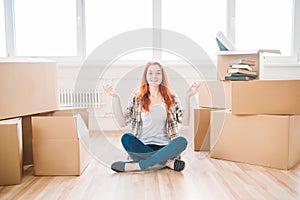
x,y
241,70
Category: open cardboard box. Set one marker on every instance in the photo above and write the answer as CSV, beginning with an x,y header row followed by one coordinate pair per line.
x,y
28,86
225,57
70,111
27,128
266,140
60,145
11,151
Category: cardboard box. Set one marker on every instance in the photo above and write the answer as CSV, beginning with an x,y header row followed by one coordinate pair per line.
x,y
215,94
27,128
252,97
266,140
202,129
70,111
266,97
60,145
27,87
10,151
225,57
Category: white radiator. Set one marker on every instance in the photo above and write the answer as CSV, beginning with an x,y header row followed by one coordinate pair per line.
x,y
87,98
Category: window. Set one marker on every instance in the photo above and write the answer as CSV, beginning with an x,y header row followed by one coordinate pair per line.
x,y
264,25
69,29
2,31
46,28
106,19
197,20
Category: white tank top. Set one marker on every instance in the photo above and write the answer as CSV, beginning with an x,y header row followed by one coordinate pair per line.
x,y
154,125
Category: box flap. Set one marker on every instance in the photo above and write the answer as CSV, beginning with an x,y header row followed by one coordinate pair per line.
x,y
24,60
10,121
70,111
10,151
215,94
84,113
58,127
276,51
250,52
85,157
83,131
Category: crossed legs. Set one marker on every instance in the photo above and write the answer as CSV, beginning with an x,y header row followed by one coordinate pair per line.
x,y
146,157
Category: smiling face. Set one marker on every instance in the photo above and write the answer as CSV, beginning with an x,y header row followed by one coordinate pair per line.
x,y
154,75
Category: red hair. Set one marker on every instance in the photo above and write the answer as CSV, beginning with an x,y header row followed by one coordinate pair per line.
x,y
164,90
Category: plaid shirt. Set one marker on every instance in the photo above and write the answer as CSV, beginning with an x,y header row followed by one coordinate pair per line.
x,y
133,117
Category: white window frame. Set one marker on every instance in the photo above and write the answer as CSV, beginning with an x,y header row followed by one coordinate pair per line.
x,y
295,46
81,44
9,28
10,33
296,30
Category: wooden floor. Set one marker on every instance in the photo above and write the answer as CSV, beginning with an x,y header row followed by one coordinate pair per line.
x,y
203,178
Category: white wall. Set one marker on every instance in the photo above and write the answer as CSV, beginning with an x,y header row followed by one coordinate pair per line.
x,y
126,76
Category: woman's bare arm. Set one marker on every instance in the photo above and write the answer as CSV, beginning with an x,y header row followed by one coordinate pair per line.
x,y
193,89
116,105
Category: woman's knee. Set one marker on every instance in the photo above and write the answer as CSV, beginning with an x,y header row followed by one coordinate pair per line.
x,y
126,138
181,142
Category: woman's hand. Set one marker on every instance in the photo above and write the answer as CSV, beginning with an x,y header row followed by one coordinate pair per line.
x,y
109,89
193,89
116,104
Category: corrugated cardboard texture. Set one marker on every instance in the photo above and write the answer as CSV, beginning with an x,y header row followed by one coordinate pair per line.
x,y
266,97
27,88
202,129
258,139
10,152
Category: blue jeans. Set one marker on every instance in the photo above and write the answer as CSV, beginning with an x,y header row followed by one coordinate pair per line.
x,y
149,155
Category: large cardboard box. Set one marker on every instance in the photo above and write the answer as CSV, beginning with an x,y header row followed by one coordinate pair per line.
x,y
27,128
252,97
70,111
60,145
266,97
202,129
266,140
225,57
10,151
27,87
